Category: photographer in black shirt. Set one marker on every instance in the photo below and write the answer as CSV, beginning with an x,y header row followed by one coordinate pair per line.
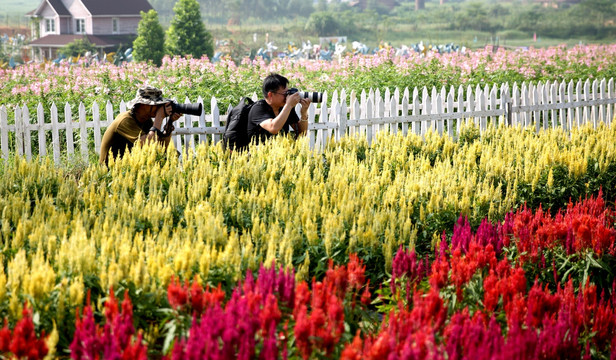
x,y
276,112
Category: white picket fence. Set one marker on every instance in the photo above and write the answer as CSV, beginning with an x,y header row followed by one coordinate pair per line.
x,y
542,105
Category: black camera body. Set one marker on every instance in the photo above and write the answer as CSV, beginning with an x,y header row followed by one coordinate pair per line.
x,y
314,96
190,109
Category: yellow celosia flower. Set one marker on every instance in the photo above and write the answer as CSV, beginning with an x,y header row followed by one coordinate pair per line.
x,y
76,292
51,341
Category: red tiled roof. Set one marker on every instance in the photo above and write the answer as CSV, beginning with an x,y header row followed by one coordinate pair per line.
x,y
97,40
116,7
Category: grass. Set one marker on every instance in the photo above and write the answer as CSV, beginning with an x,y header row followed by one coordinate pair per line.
x,y
16,7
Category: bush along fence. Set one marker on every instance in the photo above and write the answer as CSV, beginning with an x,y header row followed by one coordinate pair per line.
x,y
542,105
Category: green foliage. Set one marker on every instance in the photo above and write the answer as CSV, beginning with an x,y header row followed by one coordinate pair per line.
x,y
150,42
187,34
458,21
475,16
78,47
322,24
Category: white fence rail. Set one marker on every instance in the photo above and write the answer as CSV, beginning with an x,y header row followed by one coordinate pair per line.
x,y
542,105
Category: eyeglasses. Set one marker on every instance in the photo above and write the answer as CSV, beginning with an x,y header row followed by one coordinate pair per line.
x,y
283,94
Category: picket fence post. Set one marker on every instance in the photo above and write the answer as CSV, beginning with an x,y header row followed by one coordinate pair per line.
x,y
68,121
610,108
4,133
322,133
342,121
19,139
552,94
311,133
601,114
215,119
427,109
437,108
25,118
40,123
55,134
97,127
405,112
416,125
369,114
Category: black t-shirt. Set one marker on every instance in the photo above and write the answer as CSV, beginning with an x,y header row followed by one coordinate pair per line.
x,y
262,111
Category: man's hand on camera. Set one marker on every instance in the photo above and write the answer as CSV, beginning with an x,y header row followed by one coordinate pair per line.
x,y
174,117
169,128
293,99
161,112
305,103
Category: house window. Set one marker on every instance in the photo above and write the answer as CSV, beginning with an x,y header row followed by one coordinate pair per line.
x,y
80,26
50,25
115,25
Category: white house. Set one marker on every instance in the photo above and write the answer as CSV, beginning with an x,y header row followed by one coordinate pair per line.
x,y
105,23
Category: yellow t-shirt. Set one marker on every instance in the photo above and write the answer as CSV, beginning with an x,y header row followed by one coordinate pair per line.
x,y
121,135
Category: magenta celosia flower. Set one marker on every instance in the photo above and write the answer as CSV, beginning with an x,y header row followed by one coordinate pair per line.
x,y
461,237
114,340
405,264
487,234
86,341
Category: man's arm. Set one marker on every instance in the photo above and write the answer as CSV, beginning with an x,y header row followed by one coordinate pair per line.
x,y
273,126
158,123
302,126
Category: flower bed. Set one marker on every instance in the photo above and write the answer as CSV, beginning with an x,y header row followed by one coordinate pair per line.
x,y
475,297
404,245
46,83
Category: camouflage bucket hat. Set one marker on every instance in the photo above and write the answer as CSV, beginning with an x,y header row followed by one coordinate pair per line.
x,y
148,95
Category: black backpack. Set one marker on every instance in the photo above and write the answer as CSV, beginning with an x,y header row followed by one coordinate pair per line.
x,y
236,129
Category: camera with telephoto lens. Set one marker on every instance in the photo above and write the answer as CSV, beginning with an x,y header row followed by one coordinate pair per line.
x,y
314,96
190,109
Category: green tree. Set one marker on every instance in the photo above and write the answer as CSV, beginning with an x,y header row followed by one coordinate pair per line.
x,y
322,23
322,5
187,34
150,42
78,47
600,10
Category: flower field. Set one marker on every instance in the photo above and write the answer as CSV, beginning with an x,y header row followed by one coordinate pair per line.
x,y
494,246
502,245
180,78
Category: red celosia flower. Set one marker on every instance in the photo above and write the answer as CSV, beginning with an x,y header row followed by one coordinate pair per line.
x,y
302,331
366,298
24,343
440,273
5,337
381,347
270,314
176,293
541,304
490,292
136,351
353,351
302,296
213,296
356,270
111,306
